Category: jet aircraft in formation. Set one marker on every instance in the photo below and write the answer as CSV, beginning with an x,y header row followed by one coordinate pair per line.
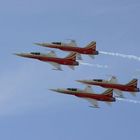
x,y
51,58
90,49
71,61
89,95
113,83
106,96
74,54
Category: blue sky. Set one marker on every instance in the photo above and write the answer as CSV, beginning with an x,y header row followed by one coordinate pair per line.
x,y
28,110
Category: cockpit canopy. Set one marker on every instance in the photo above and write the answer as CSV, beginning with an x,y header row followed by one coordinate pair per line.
x,y
57,43
98,80
35,53
72,89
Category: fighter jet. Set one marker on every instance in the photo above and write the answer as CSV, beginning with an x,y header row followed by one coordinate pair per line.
x,y
113,83
90,49
88,94
51,58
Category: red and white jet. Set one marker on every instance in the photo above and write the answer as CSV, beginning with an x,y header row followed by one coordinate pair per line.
x,y
113,83
90,49
51,58
88,94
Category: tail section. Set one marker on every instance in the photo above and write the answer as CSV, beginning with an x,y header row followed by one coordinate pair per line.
x,y
71,56
91,45
108,92
133,83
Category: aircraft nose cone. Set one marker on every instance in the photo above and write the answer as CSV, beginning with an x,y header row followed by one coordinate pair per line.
x,y
38,44
18,54
81,81
42,44
55,90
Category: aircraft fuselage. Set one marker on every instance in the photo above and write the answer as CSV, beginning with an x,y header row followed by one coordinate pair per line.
x,y
44,58
74,49
99,97
114,86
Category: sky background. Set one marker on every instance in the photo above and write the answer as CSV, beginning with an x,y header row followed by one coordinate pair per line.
x,y
28,110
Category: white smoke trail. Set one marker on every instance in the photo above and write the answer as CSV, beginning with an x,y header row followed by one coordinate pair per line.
x,y
128,100
93,65
134,57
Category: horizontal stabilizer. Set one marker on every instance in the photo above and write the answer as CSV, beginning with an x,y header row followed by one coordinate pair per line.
x,y
79,57
119,93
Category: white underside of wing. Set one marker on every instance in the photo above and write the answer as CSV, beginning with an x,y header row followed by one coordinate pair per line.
x,y
108,103
88,89
56,65
113,80
51,54
72,67
133,93
93,102
91,56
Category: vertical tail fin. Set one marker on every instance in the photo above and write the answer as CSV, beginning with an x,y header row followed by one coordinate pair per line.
x,y
133,83
91,45
108,92
71,56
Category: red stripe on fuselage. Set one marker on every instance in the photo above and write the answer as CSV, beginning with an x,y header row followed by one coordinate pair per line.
x,y
114,86
99,97
56,60
74,49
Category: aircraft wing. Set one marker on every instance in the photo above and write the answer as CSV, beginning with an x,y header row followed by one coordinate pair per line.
x,y
93,102
133,93
56,65
72,67
51,54
73,43
88,89
108,103
91,56
113,80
